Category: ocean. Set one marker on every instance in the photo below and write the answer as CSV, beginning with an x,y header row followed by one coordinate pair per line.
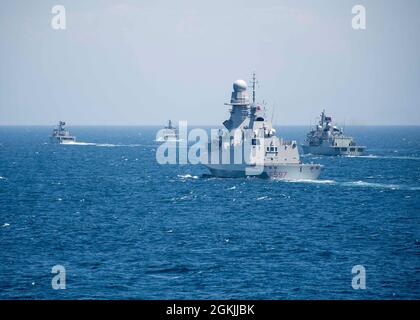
x,y
125,227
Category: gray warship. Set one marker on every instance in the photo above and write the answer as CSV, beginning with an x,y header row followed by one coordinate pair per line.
x,y
61,135
327,139
267,156
170,133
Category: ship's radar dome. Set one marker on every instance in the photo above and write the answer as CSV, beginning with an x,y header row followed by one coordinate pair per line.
x,y
239,85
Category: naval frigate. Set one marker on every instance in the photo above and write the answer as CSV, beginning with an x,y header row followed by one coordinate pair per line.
x,y
170,133
267,156
61,135
327,139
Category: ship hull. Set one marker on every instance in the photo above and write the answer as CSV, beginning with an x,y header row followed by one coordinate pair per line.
x,y
279,171
333,151
61,140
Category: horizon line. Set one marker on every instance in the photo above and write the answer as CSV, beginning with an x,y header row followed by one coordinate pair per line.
x,y
204,125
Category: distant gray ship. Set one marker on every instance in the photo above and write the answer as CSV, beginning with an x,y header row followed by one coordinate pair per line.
x,y
268,155
61,135
170,133
327,139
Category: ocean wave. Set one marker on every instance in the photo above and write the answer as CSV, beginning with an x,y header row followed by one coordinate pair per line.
x,y
3,178
368,156
359,183
187,176
165,277
372,156
311,181
168,273
264,198
100,144
376,185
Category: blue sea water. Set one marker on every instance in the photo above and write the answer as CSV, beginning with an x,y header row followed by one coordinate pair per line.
x,y
124,226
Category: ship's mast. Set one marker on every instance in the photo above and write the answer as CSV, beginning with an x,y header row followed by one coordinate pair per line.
x,y
254,82
322,118
253,87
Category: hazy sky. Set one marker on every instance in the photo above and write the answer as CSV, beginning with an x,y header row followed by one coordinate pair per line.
x,y
143,62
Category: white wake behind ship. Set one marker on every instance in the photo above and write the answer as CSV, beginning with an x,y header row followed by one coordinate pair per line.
x,y
268,155
61,135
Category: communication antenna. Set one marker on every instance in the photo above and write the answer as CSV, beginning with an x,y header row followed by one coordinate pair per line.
x,y
254,84
264,107
272,113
